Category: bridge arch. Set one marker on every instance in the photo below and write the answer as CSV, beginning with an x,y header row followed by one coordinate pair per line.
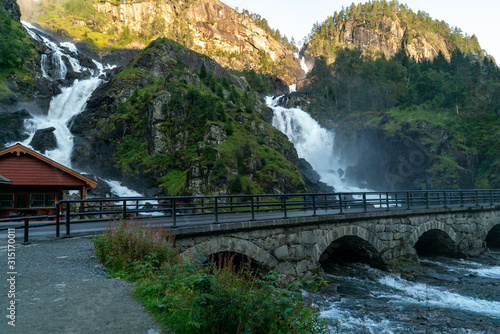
x,y
492,235
233,245
434,237
346,236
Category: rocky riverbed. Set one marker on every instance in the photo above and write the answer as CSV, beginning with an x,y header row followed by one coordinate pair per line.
x,y
441,295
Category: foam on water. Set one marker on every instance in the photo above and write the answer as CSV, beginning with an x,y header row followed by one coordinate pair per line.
x,y
406,292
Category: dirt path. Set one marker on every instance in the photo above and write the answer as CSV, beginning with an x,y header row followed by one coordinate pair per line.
x,y
61,288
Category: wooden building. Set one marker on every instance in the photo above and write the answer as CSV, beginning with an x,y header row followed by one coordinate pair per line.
x,y
31,183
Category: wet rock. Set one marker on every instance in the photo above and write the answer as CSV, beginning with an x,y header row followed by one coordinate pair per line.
x,y
13,129
44,140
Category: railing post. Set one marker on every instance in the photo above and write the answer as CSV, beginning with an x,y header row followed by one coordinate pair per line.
x,y
477,198
387,200
231,203
491,197
340,203
26,230
58,219
252,208
216,207
174,214
314,205
284,207
427,200
68,214
461,199
124,210
137,208
408,205
444,200
364,203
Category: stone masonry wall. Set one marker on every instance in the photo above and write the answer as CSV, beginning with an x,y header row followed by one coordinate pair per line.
x,y
294,246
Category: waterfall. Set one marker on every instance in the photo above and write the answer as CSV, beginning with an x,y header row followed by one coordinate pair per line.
x,y
303,64
312,142
70,102
53,65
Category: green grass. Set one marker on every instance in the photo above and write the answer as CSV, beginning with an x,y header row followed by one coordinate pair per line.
x,y
186,297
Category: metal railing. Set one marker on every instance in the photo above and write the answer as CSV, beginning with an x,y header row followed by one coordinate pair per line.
x,y
198,210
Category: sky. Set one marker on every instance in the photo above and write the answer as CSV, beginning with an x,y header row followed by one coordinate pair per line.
x,y
295,18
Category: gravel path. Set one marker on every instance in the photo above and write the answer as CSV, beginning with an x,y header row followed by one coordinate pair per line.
x,y
61,288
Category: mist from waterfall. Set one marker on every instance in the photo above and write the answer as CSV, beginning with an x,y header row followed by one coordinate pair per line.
x,y
313,143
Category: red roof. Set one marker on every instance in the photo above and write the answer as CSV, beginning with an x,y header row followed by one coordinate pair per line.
x,y
23,166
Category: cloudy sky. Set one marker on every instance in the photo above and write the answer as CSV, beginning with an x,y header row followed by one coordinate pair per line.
x,y
295,18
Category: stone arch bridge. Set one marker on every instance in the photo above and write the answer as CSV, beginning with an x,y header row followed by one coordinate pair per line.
x,y
298,246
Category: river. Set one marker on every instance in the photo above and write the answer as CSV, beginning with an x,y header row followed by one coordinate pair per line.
x,y
441,295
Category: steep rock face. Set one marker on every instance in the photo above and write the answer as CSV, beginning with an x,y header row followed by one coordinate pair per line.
x,y
382,27
175,119
214,27
206,26
12,7
389,36
388,39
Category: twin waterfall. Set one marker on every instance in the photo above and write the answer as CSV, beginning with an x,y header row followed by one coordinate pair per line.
x,y
365,300
313,143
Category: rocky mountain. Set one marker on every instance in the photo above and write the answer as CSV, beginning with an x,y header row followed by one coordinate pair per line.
x,y
237,41
177,121
385,28
414,104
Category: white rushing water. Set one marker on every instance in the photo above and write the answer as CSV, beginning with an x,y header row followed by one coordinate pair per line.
x,y
418,294
69,103
312,142
374,301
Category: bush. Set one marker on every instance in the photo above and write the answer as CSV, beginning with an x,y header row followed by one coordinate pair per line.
x,y
188,297
124,246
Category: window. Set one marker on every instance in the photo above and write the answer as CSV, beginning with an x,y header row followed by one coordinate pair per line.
x,y
6,201
43,200
22,201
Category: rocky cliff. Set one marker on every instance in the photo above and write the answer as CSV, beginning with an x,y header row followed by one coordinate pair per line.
x,y
385,155
384,28
206,26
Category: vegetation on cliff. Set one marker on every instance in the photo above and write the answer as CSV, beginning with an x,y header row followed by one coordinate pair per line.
x,y
383,27
210,28
189,296
16,50
452,106
193,128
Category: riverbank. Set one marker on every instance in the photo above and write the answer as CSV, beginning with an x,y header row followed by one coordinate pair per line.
x,y
60,287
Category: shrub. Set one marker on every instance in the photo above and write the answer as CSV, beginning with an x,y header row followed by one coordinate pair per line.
x,y
126,245
188,297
